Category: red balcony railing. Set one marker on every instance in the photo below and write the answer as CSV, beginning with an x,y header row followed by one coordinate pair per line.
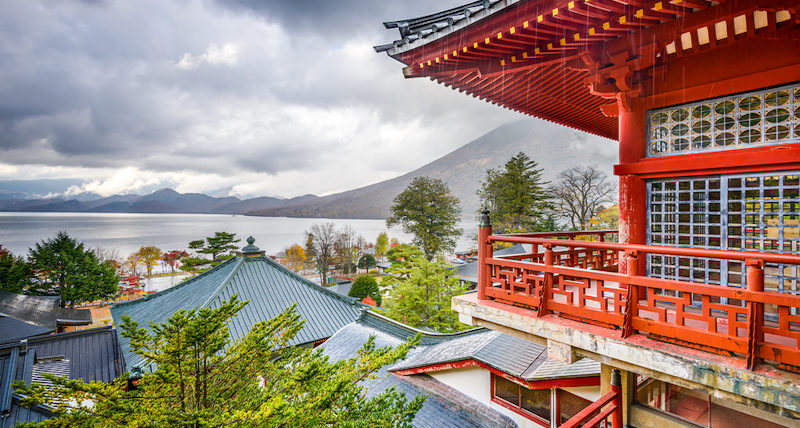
x,y
605,412
579,280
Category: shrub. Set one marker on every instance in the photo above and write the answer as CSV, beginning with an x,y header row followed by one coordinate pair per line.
x,y
364,286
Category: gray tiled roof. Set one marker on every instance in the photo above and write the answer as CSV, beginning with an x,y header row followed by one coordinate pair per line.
x,y
12,330
415,32
509,354
438,411
43,311
90,355
269,287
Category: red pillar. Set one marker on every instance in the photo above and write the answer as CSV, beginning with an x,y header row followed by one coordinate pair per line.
x,y
632,191
484,253
616,387
755,282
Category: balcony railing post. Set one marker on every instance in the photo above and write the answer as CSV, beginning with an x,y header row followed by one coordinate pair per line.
x,y
484,253
616,388
547,282
755,311
632,295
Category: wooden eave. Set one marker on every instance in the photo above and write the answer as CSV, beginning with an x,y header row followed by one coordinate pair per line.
x,y
570,61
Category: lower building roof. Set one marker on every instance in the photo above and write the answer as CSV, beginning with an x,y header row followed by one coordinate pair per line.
x,y
269,288
43,311
90,355
451,409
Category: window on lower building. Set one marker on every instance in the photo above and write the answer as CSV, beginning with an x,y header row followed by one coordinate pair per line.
x,y
694,406
570,405
536,401
687,404
531,403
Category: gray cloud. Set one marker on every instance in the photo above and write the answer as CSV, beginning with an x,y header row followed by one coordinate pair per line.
x,y
234,88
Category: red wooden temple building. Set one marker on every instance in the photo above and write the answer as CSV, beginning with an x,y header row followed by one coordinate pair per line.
x,y
695,312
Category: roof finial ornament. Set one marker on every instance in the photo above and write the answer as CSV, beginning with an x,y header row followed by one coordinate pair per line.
x,y
250,248
485,220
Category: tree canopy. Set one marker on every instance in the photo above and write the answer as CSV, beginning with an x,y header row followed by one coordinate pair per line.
x,y
321,246
381,245
422,299
364,286
367,261
15,273
216,246
150,256
203,378
517,197
427,209
62,267
581,193
296,257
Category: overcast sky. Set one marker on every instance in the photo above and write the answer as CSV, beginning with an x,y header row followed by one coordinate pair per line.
x,y
239,97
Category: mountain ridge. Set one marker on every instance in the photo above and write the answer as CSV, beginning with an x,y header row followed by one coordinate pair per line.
x,y
463,169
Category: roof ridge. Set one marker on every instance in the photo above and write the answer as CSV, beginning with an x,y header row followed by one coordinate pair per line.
x,y
422,332
173,288
45,338
223,283
309,283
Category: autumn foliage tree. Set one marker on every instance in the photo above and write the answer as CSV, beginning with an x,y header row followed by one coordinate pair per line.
x,y
296,257
381,245
150,256
202,378
172,258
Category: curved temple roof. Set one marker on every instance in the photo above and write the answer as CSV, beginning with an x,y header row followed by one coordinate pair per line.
x,y
269,287
570,62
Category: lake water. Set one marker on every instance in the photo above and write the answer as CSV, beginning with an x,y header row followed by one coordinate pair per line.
x,y
126,233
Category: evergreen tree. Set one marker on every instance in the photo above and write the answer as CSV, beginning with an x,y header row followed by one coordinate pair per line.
x,y
367,262
517,197
218,245
423,298
427,209
64,268
364,286
16,275
205,379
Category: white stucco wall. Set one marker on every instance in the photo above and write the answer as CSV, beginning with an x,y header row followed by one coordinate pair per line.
x,y
476,382
591,393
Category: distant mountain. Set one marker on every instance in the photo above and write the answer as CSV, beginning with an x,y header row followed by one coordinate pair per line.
x,y
554,147
161,201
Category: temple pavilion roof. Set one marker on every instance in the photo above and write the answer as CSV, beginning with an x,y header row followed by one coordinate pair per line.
x,y
569,61
269,287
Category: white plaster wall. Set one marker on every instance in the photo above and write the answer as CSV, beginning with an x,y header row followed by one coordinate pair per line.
x,y
476,382
591,393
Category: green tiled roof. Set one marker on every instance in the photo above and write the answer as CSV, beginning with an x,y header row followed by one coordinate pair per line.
x,y
268,286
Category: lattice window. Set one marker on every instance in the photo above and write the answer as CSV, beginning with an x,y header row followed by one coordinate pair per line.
x,y
756,118
752,212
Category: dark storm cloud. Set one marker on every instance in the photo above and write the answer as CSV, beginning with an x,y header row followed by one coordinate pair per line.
x,y
222,87
341,17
